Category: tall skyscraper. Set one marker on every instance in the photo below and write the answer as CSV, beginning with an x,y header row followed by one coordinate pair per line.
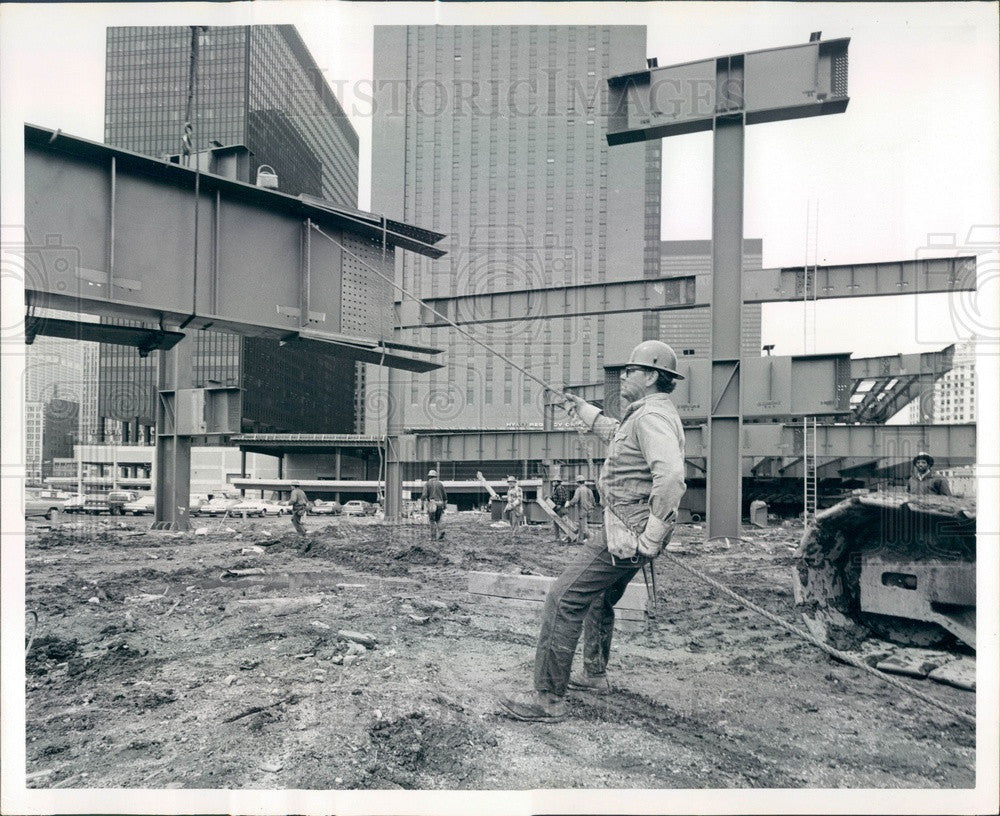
x,y
257,86
496,136
689,331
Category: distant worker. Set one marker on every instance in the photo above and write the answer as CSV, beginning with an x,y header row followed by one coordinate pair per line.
x,y
300,504
559,496
580,506
513,512
434,499
641,485
922,481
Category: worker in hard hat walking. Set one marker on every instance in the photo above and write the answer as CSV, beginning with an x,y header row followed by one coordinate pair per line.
x,y
580,506
434,498
641,484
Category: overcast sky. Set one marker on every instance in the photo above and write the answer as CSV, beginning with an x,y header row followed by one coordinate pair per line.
x,y
911,163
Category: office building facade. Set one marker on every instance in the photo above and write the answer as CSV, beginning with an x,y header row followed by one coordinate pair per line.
x,y
689,331
496,136
952,400
258,86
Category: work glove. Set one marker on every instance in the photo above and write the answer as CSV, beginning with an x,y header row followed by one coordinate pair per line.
x,y
581,410
656,535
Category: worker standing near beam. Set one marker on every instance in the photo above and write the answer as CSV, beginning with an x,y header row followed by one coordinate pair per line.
x,y
580,506
434,499
923,481
559,496
641,485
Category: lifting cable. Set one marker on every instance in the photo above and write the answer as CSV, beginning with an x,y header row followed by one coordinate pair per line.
x,y
963,716
436,313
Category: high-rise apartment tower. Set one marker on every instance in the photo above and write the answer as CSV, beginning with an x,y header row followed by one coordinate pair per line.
x,y
496,135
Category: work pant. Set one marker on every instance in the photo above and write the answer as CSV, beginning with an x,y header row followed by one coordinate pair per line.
x,y
297,516
582,598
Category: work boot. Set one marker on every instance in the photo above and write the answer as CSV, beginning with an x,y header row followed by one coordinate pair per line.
x,y
595,683
535,706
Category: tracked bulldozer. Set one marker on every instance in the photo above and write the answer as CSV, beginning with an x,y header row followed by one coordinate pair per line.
x,y
893,566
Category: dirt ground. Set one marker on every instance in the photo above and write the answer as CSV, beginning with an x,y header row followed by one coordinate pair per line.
x,y
152,666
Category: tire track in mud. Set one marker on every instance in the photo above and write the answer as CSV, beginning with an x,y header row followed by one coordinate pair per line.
x,y
634,710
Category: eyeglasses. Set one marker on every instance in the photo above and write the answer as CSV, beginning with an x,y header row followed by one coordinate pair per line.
x,y
628,371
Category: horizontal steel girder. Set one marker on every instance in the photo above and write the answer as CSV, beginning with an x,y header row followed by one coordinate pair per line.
x,y
791,82
113,233
941,275
146,340
886,443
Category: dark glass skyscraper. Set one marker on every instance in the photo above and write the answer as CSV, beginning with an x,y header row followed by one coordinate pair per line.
x,y
257,86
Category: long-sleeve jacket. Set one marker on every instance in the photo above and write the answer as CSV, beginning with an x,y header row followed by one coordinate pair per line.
x,y
582,499
298,498
434,489
559,495
515,498
643,474
928,484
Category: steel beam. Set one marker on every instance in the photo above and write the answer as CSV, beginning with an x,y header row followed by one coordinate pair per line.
x,y
876,279
949,443
172,486
145,340
116,233
790,82
725,418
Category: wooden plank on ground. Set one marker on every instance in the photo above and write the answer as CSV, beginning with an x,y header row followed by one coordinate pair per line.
x,y
534,587
568,526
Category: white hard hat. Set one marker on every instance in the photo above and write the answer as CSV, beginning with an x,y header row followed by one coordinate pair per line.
x,y
432,473
656,355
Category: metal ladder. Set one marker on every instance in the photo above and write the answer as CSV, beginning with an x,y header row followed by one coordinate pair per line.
x,y
809,279
810,487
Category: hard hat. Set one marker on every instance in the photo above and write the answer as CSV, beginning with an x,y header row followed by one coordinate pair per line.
x,y
581,478
432,473
924,455
511,479
657,355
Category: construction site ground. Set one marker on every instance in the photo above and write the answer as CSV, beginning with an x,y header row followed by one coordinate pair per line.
x,y
232,658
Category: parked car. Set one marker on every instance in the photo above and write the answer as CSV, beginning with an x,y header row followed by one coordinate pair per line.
x,y
325,508
42,503
356,508
247,507
142,505
217,507
273,508
113,502
74,504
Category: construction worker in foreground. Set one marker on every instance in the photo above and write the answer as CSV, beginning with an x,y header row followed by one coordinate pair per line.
x,y
580,506
641,485
434,499
922,481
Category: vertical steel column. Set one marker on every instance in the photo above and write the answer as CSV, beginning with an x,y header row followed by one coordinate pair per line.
x,y
724,486
173,451
394,429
